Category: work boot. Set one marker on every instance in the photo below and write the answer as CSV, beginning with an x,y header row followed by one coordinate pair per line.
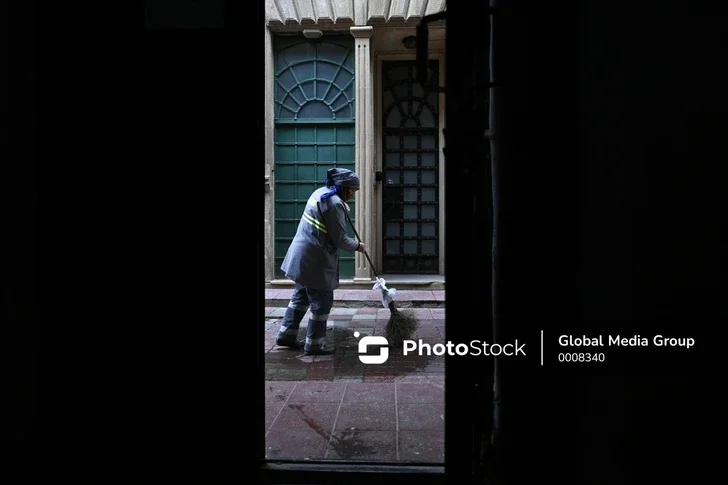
x,y
290,343
320,351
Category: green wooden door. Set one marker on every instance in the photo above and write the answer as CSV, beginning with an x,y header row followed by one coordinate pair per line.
x,y
314,128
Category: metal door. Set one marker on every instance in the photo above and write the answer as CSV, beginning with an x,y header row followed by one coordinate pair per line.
x,y
410,208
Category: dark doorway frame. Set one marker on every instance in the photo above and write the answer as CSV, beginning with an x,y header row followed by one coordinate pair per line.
x,y
106,388
468,385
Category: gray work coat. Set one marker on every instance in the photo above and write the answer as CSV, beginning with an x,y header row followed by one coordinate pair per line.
x,y
312,259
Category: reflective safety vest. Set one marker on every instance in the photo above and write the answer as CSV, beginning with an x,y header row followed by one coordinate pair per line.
x,y
312,259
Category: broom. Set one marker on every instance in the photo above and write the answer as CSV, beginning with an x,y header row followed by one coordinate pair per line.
x,y
401,324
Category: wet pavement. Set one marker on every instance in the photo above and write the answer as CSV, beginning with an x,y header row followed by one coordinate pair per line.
x,y
337,408
363,298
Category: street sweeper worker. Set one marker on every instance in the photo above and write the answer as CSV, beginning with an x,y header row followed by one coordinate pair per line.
x,y
312,260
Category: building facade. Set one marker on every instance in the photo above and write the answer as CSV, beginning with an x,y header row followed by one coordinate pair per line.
x,y
342,91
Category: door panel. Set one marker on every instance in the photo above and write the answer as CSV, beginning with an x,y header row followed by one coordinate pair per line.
x,y
410,206
303,154
314,96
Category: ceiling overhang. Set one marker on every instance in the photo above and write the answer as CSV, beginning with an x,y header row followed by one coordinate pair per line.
x,y
342,14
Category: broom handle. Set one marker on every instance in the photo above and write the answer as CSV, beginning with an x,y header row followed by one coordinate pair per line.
x,y
371,265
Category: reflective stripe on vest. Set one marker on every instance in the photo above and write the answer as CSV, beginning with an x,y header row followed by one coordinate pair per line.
x,y
314,222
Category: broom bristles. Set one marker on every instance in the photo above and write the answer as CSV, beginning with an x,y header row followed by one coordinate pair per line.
x,y
400,327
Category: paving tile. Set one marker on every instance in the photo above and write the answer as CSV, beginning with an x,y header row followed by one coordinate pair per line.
x,y
433,369
372,379
347,356
318,416
271,294
371,317
322,358
367,311
369,393
420,394
277,312
348,372
296,444
409,362
429,336
272,409
373,416
347,379
363,446
343,311
429,322
421,417
380,377
401,368
321,370
318,392
286,357
437,379
278,391
421,313
289,375
421,447
360,323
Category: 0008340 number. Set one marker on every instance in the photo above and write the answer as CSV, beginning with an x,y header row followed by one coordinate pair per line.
x,y
581,357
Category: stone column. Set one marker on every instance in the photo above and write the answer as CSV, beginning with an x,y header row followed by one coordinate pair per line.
x,y
365,205
269,255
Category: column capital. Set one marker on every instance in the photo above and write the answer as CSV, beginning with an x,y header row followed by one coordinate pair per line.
x,y
362,31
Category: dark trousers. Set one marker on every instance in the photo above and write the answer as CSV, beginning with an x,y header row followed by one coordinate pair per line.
x,y
320,302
